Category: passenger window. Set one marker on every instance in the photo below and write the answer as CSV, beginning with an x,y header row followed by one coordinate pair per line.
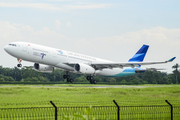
x,y
13,45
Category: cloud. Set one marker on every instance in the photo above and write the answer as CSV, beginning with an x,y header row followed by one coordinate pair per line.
x,y
56,0
10,33
164,43
17,24
7,31
58,24
160,38
68,24
56,7
90,6
29,5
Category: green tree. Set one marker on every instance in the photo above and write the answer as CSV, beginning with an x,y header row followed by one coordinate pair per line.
x,y
176,72
28,72
8,78
80,79
32,79
111,80
98,79
42,79
153,77
123,82
17,74
1,79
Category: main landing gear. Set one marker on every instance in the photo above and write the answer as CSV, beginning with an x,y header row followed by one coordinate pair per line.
x,y
68,78
91,79
19,60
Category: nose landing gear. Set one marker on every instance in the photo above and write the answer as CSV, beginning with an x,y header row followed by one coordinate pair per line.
x,y
19,65
19,60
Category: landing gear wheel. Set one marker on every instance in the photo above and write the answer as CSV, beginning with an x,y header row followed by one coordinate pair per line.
x,y
94,81
88,78
91,77
19,65
71,80
68,80
91,81
67,76
64,76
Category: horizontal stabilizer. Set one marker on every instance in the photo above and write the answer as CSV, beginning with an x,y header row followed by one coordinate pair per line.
x,y
147,69
151,69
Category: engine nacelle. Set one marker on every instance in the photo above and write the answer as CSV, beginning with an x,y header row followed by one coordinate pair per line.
x,y
43,68
83,68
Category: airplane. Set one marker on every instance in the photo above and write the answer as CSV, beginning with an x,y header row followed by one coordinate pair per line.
x,y
45,59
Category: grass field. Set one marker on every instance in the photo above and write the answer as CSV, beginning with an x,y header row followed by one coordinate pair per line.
x,y
66,97
71,94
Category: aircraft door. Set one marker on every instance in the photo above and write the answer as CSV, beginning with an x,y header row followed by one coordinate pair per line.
x,y
54,54
24,47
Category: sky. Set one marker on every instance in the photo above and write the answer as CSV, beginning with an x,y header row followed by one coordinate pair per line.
x,y
107,29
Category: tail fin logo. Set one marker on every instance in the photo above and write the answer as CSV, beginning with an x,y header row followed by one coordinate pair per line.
x,y
42,54
139,56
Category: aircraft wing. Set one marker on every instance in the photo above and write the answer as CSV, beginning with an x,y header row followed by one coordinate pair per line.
x,y
100,66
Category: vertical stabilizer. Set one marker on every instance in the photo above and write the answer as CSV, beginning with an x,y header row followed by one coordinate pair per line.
x,y
139,56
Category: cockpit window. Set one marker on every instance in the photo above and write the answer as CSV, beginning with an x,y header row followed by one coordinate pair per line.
x,y
13,45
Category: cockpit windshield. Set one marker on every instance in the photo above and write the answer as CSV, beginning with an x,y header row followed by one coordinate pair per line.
x,y
13,45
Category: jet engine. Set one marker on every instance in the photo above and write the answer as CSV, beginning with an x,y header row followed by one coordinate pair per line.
x,y
43,68
84,68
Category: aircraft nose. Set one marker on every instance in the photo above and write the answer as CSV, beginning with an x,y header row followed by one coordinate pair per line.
x,y
6,48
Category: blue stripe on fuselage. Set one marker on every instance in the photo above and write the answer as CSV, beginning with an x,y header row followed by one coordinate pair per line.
x,y
126,72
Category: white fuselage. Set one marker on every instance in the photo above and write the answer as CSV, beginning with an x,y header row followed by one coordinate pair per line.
x,y
58,57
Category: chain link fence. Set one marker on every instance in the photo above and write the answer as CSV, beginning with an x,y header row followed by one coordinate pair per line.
x,y
112,111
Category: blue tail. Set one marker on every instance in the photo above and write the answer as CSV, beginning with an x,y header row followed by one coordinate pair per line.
x,y
139,56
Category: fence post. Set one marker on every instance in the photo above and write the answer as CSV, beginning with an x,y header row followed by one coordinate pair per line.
x,y
118,117
171,109
55,109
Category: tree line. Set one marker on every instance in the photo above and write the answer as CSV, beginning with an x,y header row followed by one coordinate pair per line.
x,y
27,74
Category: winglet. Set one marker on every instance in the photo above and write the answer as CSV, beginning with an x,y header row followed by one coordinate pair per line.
x,y
170,60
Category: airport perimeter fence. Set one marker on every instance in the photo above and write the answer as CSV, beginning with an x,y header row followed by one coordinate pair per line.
x,y
114,111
